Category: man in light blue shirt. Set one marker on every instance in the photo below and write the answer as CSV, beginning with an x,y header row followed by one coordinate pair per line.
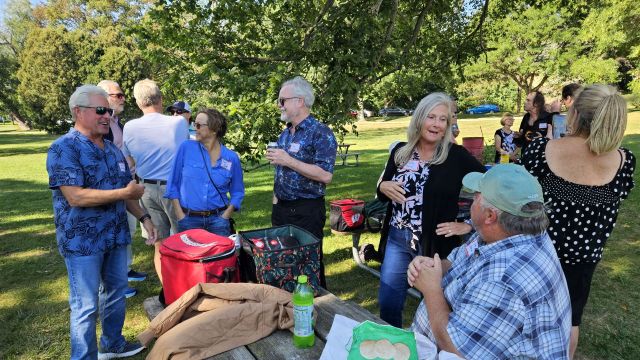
x,y
502,294
150,143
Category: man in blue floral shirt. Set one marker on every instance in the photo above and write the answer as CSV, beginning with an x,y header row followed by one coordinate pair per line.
x,y
501,295
304,163
92,191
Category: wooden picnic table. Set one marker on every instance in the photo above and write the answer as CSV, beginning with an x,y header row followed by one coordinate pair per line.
x,y
343,153
279,345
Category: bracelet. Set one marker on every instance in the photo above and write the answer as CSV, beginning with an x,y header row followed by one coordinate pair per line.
x,y
144,217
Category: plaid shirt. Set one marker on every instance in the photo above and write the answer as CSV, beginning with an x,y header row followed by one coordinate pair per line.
x,y
312,143
508,299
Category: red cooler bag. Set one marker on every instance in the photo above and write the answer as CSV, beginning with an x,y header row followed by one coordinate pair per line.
x,y
196,256
346,215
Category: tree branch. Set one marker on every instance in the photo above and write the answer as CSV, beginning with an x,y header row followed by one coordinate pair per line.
x,y
483,16
309,35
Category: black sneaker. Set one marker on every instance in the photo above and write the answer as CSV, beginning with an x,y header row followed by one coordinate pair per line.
x,y
136,276
129,349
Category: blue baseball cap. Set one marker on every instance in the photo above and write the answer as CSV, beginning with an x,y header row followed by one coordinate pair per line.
x,y
508,187
179,105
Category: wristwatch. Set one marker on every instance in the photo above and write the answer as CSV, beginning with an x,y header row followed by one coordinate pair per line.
x,y
144,217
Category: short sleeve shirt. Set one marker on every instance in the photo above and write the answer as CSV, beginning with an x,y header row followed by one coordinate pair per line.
x,y
508,300
311,143
73,160
581,217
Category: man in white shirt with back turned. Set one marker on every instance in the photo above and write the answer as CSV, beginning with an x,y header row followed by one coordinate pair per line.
x,y
150,143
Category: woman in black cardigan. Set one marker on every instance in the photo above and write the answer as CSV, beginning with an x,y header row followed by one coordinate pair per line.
x,y
422,182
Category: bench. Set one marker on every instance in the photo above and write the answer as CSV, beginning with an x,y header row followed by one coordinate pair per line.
x,y
344,157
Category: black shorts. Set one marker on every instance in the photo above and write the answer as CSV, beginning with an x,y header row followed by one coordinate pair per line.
x,y
579,278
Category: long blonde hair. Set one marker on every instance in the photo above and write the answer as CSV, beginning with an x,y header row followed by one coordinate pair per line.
x,y
414,131
599,113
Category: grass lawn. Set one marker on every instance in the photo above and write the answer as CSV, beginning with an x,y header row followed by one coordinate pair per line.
x,y
33,287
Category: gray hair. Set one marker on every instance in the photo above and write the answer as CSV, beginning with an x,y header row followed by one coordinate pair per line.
x,y
414,130
301,88
513,224
82,97
147,93
105,84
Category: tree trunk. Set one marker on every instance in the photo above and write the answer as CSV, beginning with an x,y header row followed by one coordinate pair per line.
x,y
360,108
15,118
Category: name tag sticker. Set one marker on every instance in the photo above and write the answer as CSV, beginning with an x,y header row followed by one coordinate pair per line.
x,y
543,125
471,247
226,164
412,165
122,167
294,147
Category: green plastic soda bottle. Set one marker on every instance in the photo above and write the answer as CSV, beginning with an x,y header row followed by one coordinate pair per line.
x,y
303,335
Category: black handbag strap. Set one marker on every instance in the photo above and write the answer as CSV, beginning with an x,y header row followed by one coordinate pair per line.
x,y
206,167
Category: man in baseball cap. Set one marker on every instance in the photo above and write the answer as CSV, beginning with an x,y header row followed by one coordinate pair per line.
x,y
502,294
181,108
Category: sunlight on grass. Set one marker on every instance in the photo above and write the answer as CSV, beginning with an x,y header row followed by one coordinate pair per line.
x,y
619,267
27,254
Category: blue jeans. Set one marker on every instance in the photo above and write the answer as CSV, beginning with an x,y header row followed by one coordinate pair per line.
x,y
86,275
213,224
393,275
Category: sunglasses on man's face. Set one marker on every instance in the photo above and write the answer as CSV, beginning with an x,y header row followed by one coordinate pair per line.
x,y
100,110
118,95
178,112
199,125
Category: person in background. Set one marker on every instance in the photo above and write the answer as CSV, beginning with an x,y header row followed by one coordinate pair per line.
x,y
421,181
303,162
151,143
217,172
585,176
182,108
455,130
92,192
503,139
502,294
536,122
116,102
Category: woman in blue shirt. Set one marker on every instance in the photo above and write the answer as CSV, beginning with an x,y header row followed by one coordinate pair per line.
x,y
206,183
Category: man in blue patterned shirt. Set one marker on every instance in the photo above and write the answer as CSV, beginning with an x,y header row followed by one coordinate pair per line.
x,y
501,295
304,163
92,191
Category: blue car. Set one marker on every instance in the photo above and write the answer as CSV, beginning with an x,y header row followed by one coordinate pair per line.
x,y
483,109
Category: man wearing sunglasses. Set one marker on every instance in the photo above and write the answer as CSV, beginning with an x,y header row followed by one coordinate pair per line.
x,y
151,142
92,192
182,108
116,102
304,163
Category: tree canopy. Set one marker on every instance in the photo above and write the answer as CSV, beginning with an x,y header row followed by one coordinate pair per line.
x,y
234,54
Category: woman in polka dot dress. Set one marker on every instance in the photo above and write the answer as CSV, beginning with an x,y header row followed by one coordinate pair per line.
x,y
584,176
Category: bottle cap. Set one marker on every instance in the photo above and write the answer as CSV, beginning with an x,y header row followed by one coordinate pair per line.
x,y
302,279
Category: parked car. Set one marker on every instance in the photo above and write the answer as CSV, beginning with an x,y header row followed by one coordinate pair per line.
x,y
367,113
483,109
394,111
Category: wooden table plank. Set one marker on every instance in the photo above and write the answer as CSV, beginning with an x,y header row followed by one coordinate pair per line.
x,y
328,305
279,345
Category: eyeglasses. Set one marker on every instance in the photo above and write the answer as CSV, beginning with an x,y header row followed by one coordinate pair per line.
x,y
179,112
199,125
281,101
118,95
100,110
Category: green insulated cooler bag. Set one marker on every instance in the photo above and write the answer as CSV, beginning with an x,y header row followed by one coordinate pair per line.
x,y
276,256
